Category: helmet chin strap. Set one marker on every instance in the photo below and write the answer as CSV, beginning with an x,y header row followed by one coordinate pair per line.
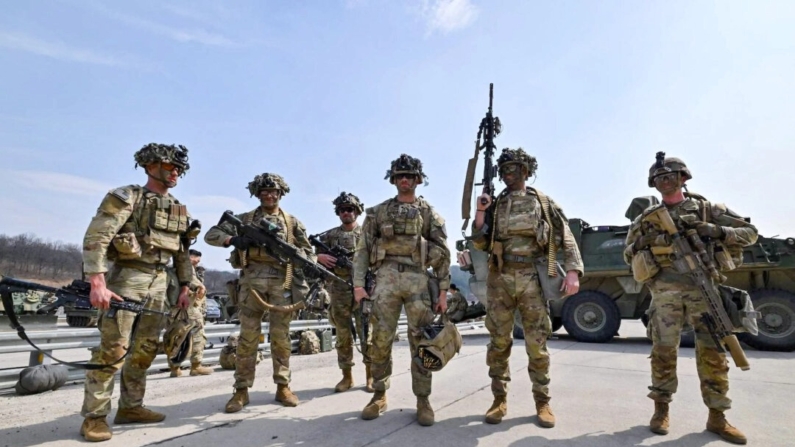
x,y
162,178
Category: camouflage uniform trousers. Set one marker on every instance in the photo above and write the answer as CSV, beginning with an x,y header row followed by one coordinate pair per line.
x,y
340,316
675,300
517,288
199,339
270,287
115,338
393,291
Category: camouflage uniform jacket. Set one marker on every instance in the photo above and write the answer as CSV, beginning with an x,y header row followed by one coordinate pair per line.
x,y
339,237
738,233
130,217
517,221
218,234
398,231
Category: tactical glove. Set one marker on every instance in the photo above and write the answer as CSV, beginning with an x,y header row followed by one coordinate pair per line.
x,y
710,230
643,242
241,242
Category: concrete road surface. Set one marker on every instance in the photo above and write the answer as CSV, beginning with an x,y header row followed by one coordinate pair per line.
x,y
599,397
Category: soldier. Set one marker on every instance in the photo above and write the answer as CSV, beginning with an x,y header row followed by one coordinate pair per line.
x,y
401,237
676,299
517,229
139,229
197,309
456,305
348,208
270,279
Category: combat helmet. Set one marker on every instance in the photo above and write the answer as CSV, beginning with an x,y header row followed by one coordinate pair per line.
x,y
154,153
518,156
348,199
405,164
267,181
178,339
665,165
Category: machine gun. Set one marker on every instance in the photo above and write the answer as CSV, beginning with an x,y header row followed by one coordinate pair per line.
x,y
77,292
488,130
691,257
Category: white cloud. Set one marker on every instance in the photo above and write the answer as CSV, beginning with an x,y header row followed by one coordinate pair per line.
x,y
448,15
56,182
58,50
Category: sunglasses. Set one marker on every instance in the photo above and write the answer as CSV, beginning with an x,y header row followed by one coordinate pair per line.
x,y
509,169
347,209
402,176
270,192
169,167
670,177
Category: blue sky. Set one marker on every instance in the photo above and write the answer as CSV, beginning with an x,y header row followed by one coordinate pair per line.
x,y
327,93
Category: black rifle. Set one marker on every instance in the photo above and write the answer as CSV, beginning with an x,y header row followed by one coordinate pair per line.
x,y
77,293
266,235
698,264
490,127
342,254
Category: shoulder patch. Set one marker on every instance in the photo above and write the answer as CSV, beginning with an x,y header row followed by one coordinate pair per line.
x,y
124,194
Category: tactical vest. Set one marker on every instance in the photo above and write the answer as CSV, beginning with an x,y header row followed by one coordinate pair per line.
x,y
520,225
399,230
345,239
259,254
155,225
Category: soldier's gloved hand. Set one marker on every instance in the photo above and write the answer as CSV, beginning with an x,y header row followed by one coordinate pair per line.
x,y
710,230
240,242
643,242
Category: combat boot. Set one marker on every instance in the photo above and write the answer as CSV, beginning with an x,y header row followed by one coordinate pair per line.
x,y
238,401
175,371
369,375
137,414
425,414
285,396
346,383
718,424
546,418
196,369
659,422
498,410
96,429
376,406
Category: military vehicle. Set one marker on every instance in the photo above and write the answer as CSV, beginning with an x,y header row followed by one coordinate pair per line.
x,y
608,292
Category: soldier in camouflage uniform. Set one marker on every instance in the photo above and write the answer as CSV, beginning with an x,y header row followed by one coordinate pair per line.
x,y
197,309
348,207
677,300
140,229
517,229
456,305
401,238
275,283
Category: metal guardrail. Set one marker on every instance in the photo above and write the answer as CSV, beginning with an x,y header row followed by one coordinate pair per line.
x,y
69,338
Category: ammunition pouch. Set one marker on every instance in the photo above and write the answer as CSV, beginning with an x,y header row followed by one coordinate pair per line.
x,y
550,285
644,267
439,343
235,259
740,309
127,246
728,258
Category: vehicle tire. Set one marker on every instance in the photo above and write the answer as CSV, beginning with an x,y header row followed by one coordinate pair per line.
x,y
591,317
77,321
777,325
557,323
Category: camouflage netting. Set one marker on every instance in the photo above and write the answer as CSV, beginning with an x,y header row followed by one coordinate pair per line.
x,y
348,199
518,156
267,181
155,153
665,165
405,164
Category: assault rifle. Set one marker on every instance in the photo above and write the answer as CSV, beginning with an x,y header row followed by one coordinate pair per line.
x,y
77,292
691,257
488,130
266,234
342,254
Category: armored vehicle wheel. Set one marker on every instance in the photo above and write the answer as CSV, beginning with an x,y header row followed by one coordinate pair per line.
x,y
77,321
777,325
591,317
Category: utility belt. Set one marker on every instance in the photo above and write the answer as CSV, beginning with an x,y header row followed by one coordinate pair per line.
x,y
401,264
519,262
266,268
146,267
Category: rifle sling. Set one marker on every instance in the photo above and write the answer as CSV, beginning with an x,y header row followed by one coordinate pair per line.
x,y
15,324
